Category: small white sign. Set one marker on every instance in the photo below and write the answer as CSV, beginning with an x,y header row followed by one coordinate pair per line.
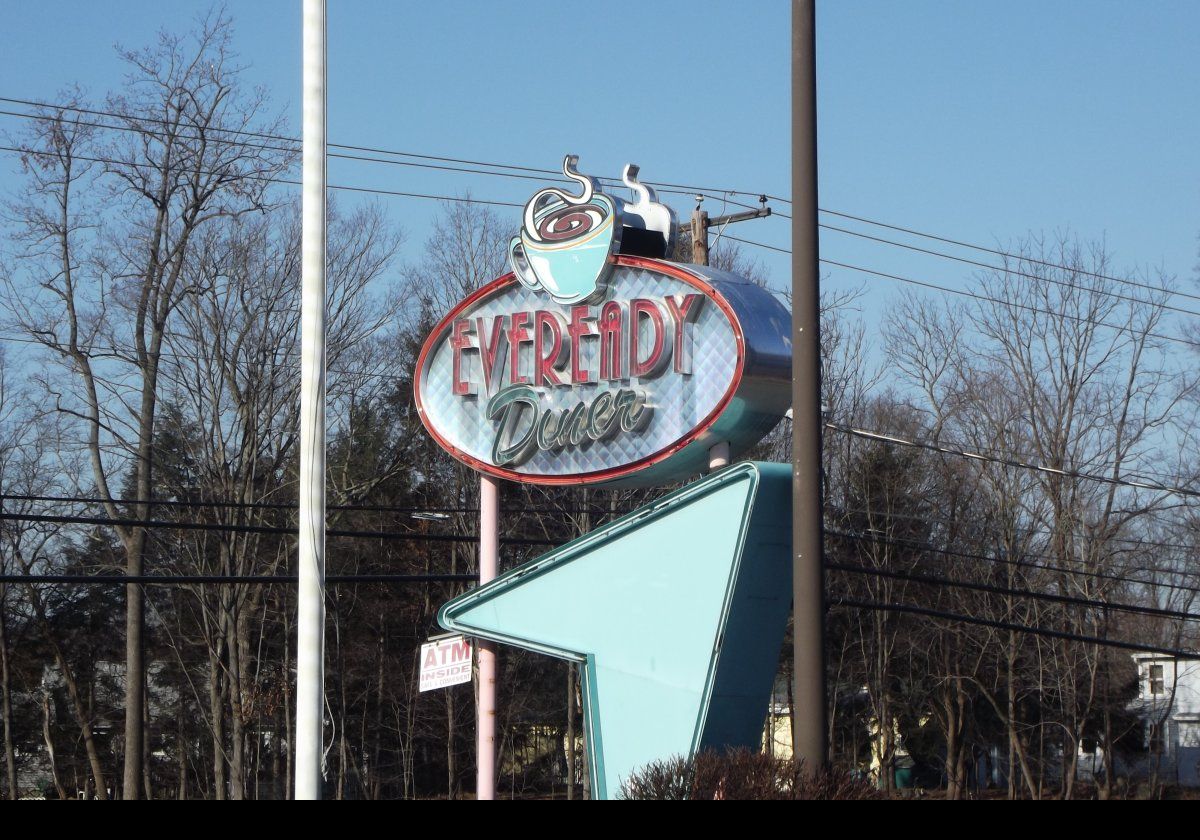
x,y
445,662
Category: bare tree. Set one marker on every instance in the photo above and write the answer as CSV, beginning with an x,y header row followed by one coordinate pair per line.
x,y
231,383
1056,365
106,232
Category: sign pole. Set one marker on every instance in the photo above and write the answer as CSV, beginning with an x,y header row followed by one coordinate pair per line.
x,y
808,585
485,709
310,601
718,456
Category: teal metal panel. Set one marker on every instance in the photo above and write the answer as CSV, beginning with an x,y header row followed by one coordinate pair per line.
x,y
676,611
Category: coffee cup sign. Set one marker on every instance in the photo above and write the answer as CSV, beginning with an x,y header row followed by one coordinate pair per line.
x,y
566,240
586,365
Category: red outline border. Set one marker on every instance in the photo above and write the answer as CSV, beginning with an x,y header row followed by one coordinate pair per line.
x,y
500,284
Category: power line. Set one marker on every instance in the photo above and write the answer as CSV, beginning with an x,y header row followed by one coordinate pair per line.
x,y
169,503
101,350
176,503
955,583
975,456
1016,273
983,248
962,292
1007,254
757,244
611,183
1021,563
564,510
162,133
717,194
668,187
180,580
1016,628
257,529
1024,529
277,180
984,298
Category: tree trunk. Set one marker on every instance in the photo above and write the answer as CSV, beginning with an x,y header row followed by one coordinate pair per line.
x,y
1106,789
135,674
147,783
50,754
10,763
376,775
1016,750
217,713
237,740
288,721
181,747
954,707
82,717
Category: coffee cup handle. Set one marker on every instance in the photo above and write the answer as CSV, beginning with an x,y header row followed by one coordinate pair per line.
x,y
520,264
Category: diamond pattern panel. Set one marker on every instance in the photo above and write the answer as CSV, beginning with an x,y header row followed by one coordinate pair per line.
x,y
679,403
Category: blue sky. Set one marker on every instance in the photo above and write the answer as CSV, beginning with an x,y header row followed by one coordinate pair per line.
x,y
975,120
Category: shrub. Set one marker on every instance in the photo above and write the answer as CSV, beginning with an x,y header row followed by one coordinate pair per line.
x,y
742,774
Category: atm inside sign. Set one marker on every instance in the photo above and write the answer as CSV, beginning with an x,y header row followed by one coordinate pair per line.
x,y
445,662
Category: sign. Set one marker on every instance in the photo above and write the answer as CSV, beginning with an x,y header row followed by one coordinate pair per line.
x,y
590,364
445,662
675,615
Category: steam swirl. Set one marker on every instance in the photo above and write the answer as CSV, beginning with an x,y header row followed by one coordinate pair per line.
x,y
569,221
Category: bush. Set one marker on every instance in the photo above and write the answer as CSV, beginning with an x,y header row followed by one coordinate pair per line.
x,y
742,774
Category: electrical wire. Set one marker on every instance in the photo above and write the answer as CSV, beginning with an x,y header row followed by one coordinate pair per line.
x,y
1016,273
173,503
1025,307
1009,255
1023,563
758,244
183,580
957,583
1135,542
1008,462
1016,628
666,186
169,503
249,176
537,173
102,350
257,529
984,298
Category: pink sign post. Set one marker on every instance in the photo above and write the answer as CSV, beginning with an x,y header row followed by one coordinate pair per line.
x,y
485,708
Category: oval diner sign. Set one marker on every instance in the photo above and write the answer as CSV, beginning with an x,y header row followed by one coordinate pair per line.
x,y
630,385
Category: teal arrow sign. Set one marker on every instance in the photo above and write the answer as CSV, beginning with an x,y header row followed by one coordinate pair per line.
x,y
676,611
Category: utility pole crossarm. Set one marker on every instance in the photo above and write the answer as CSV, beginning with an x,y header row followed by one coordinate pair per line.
x,y
720,221
700,223
745,216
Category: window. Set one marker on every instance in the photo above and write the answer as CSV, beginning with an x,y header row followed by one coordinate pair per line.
x,y
1157,688
1155,740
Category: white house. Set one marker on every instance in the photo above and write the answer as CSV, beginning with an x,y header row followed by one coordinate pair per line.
x,y
1168,704
1167,708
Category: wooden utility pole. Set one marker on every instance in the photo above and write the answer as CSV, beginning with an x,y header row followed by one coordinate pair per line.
x,y
808,583
701,223
699,237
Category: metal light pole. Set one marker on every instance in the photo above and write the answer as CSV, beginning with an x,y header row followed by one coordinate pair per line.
x,y
310,601
808,584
